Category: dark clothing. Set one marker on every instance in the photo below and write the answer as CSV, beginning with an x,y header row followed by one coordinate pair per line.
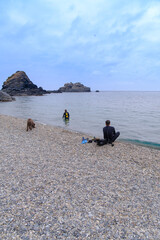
x,y
66,115
110,134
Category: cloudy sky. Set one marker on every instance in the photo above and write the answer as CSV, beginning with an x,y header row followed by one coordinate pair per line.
x,y
104,44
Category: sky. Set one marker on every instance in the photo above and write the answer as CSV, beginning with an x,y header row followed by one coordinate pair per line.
x,y
105,45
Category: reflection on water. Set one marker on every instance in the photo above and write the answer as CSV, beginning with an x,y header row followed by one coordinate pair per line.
x,y
135,114
66,122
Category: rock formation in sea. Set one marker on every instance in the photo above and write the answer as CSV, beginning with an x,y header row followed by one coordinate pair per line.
x,y
20,85
5,97
74,87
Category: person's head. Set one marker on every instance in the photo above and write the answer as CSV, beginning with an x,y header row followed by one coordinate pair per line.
x,y
65,110
108,123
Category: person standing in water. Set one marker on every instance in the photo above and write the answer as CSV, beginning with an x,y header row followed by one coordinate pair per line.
x,y
65,115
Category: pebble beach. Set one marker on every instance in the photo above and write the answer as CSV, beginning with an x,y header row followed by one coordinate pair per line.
x,y
54,187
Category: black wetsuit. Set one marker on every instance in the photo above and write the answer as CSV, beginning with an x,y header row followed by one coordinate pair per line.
x,y
110,134
66,115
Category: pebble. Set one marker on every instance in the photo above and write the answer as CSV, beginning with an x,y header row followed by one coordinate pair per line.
x,y
54,187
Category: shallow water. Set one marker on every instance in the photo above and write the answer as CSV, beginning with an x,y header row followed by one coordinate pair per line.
x,y
135,114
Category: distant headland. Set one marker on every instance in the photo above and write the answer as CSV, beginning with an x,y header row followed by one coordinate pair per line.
x,y
19,84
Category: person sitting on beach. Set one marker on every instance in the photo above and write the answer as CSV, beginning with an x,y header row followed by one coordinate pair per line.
x,y
110,135
66,115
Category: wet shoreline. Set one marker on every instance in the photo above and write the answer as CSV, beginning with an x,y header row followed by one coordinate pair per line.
x,y
54,187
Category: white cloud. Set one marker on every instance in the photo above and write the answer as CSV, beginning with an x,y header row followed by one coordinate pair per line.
x,y
151,16
17,17
147,26
99,37
96,72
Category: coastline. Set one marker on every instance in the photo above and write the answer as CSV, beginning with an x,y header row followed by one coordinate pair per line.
x,y
54,187
92,121
141,143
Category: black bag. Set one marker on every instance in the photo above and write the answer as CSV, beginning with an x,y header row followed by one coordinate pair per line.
x,y
101,142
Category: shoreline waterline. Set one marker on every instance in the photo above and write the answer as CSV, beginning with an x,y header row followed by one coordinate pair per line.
x,y
142,143
54,187
129,141
135,115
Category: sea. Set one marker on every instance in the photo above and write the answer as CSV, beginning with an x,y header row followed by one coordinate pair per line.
x,y
136,115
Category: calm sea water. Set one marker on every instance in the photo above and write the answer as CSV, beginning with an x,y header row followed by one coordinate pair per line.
x,y
135,114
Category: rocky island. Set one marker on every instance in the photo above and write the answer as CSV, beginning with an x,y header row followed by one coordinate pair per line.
x,y
18,84
5,97
74,87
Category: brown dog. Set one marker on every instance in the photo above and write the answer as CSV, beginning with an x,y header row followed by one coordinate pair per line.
x,y
30,124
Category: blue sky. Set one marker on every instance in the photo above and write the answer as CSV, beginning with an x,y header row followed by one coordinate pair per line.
x,y
104,44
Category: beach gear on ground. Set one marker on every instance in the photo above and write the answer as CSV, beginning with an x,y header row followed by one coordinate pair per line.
x,y
101,142
84,140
